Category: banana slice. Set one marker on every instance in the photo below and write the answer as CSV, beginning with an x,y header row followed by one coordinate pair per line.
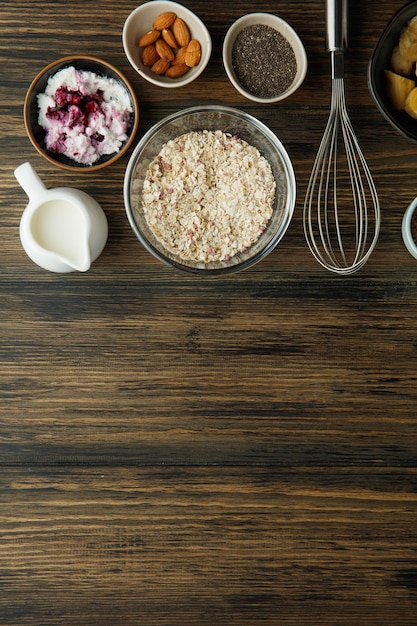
x,y
398,89
411,103
407,44
412,26
400,64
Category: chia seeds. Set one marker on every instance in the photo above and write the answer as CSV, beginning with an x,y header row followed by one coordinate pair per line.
x,y
264,61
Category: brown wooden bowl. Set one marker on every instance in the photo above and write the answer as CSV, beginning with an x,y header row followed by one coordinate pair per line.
x,y
31,111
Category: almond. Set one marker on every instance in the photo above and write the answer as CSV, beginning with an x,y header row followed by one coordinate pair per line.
x,y
149,55
175,71
160,67
168,36
181,32
193,53
150,37
164,20
180,56
164,51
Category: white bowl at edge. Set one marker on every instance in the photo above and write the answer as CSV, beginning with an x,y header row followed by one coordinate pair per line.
x,y
406,229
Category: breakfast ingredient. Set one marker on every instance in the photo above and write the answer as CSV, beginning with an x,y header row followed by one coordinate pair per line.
x,y
150,55
164,50
160,67
400,64
398,88
177,70
85,116
414,227
193,53
208,196
264,61
169,40
164,20
400,79
58,226
408,41
181,32
180,56
411,103
169,37
150,37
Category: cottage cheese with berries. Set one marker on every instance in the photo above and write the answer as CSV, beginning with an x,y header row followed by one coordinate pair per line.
x,y
208,195
84,115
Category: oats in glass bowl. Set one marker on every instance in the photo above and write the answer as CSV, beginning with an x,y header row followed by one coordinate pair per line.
x,y
212,214
208,195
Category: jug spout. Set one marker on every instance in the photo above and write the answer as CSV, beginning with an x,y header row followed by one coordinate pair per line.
x,y
76,257
80,265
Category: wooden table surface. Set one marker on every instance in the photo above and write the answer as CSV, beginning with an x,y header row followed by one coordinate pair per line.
x,y
231,451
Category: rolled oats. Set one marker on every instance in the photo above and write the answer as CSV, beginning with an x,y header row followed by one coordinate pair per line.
x,y
208,195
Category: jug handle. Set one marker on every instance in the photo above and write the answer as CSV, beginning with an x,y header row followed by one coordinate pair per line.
x,y
29,181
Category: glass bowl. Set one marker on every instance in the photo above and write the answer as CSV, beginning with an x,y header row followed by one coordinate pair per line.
x,y
212,118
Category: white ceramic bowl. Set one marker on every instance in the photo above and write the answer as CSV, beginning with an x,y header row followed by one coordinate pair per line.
x,y
266,19
406,229
140,21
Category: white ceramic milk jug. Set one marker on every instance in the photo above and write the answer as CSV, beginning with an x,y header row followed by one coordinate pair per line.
x,y
61,229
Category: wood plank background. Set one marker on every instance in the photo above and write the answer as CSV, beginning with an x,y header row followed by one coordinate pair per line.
x,y
178,451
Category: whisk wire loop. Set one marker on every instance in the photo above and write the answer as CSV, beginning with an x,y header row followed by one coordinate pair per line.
x,y
341,235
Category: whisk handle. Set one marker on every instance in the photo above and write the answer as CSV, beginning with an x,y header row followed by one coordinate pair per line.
x,y
336,25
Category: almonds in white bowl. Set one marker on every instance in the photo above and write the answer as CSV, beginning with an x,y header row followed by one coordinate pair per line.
x,y
169,31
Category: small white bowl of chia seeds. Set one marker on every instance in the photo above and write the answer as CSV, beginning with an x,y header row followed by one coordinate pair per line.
x,y
264,57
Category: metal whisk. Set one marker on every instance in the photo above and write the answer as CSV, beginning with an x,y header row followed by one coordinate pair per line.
x,y
341,210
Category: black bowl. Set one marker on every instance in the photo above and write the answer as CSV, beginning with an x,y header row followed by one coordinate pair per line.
x,y
380,61
31,110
